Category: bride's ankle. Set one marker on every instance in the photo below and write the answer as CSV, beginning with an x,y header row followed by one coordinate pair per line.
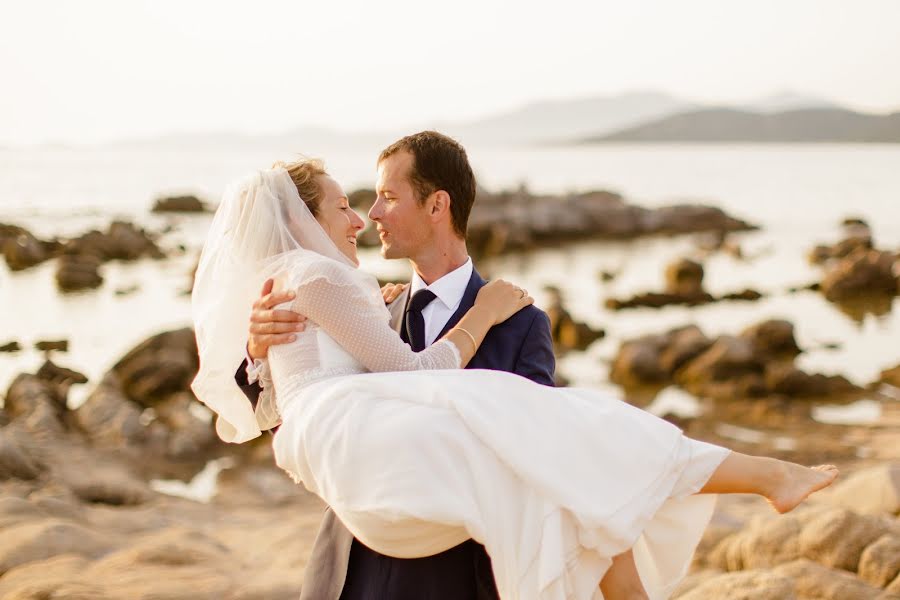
x,y
777,474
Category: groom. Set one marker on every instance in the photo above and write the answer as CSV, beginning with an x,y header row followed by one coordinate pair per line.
x,y
425,193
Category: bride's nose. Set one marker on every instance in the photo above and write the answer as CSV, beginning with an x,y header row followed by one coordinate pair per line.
x,y
356,221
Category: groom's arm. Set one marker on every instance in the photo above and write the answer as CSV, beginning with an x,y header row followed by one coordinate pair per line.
x,y
536,360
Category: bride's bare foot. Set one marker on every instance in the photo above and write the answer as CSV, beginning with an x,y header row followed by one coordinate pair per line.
x,y
795,483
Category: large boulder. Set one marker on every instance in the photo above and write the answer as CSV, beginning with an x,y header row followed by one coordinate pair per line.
x,y
42,539
745,585
879,563
812,580
729,357
863,272
145,402
189,204
122,241
871,491
683,345
773,338
17,460
837,538
160,365
684,277
786,379
37,404
23,251
76,272
638,362
566,332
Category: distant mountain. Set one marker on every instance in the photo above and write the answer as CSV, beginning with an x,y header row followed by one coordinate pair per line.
x,y
729,125
563,120
784,101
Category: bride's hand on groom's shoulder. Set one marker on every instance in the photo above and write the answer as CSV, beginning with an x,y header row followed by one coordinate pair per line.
x,y
392,291
503,299
270,327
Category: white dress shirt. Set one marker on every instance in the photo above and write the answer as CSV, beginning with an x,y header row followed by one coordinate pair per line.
x,y
449,290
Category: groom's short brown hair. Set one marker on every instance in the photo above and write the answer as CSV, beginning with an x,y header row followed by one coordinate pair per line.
x,y
439,163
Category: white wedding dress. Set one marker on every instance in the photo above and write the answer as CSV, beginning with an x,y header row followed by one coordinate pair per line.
x,y
415,455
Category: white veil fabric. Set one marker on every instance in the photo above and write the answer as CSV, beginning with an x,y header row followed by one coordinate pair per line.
x,y
261,227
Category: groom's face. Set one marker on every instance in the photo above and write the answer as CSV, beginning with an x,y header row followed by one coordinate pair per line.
x,y
404,226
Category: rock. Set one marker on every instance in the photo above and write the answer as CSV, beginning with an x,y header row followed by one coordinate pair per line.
x,y
657,300
110,418
683,345
811,580
59,375
727,358
46,538
54,345
78,272
747,295
787,379
42,578
129,242
684,277
863,272
36,403
24,251
638,362
880,561
159,366
892,588
821,254
12,346
122,241
179,204
567,333
764,542
891,376
16,460
745,585
837,538
854,222
871,491
107,486
772,339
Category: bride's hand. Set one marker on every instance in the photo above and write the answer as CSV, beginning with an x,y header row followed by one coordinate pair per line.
x,y
391,291
502,299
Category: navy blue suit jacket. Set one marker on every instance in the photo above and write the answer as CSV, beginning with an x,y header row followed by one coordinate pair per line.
x,y
520,345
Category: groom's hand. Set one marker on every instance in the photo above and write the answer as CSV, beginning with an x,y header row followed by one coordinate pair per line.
x,y
269,327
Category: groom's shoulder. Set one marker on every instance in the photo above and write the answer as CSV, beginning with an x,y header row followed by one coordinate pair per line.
x,y
529,317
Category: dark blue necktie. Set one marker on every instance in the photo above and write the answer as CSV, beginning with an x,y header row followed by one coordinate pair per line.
x,y
415,322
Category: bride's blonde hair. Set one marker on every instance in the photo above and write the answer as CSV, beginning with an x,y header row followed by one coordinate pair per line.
x,y
303,173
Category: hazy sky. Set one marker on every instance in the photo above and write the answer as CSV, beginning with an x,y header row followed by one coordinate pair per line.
x,y
93,70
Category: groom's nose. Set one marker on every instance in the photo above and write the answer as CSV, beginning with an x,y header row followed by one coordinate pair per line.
x,y
376,211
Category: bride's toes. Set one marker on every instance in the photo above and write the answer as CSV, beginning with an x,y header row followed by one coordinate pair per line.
x,y
799,482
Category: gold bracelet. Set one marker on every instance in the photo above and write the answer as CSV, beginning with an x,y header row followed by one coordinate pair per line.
x,y
471,337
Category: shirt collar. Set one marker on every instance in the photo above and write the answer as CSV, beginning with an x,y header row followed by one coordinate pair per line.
x,y
450,288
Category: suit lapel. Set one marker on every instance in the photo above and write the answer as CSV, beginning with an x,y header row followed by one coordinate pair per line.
x,y
467,302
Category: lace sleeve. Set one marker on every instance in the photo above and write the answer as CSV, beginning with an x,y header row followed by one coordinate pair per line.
x,y
357,319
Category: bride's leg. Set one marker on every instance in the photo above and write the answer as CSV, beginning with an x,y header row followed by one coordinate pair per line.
x,y
622,581
783,484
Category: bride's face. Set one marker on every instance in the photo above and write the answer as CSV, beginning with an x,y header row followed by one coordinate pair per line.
x,y
337,218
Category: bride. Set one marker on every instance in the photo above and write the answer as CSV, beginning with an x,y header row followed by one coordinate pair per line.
x,y
569,490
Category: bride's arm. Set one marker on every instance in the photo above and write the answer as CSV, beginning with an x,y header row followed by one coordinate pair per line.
x,y
347,313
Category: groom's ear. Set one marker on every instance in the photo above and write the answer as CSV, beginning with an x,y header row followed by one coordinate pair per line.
x,y
439,206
